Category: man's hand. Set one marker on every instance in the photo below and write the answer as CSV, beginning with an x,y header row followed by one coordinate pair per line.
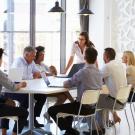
x,y
20,85
10,102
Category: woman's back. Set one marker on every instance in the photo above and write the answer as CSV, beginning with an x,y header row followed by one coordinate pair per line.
x,y
131,75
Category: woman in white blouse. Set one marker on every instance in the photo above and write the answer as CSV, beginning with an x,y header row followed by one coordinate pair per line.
x,y
129,59
78,49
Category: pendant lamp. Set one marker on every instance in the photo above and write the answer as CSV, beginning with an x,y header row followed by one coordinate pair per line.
x,y
85,10
56,8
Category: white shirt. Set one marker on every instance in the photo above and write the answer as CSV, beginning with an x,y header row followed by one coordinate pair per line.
x,y
131,75
42,67
80,55
114,74
28,69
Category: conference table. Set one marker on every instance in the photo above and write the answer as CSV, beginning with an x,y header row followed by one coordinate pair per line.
x,y
37,86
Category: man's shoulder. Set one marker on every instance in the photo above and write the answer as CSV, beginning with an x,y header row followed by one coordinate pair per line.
x,y
18,62
86,70
113,62
18,59
115,65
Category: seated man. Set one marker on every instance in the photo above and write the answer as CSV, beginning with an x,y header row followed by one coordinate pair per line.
x,y
114,74
87,78
30,71
7,106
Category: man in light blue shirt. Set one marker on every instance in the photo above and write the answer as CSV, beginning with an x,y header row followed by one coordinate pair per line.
x,y
29,72
29,69
85,79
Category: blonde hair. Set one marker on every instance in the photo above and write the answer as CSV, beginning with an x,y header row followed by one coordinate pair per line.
x,y
130,57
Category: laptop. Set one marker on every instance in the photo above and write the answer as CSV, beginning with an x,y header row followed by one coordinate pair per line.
x,y
53,81
75,68
15,74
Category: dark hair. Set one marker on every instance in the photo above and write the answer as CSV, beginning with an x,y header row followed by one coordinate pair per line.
x,y
110,52
88,42
1,52
91,55
39,49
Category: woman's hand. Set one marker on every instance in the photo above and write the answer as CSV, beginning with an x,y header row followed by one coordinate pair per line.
x,y
53,70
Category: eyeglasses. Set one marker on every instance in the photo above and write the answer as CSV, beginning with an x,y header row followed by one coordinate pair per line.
x,y
81,39
42,53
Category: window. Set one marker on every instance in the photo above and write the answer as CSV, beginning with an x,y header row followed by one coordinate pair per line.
x,y
72,24
2,23
14,34
21,26
48,31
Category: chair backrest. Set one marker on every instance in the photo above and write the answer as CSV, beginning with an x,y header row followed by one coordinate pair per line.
x,y
123,93
104,89
90,97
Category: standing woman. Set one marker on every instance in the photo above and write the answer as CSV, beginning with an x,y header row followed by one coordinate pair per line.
x,y
129,59
78,49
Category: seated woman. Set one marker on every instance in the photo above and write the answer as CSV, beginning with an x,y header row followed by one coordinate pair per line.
x,y
61,97
7,104
129,59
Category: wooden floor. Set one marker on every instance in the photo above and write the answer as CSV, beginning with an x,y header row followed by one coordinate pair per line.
x,y
121,129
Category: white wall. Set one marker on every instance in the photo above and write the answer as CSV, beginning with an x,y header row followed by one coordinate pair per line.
x,y
123,25
112,25
99,26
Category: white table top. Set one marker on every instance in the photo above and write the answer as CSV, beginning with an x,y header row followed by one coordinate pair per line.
x,y
38,86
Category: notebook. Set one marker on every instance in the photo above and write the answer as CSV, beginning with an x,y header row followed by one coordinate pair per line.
x,y
75,68
15,74
53,81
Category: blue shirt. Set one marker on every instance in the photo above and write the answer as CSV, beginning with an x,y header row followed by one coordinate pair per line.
x,y
28,69
88,78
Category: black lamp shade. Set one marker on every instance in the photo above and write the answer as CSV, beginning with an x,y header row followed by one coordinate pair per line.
x,y
85,11
56,8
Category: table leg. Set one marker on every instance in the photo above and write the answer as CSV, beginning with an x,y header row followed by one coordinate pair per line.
x,y
32,130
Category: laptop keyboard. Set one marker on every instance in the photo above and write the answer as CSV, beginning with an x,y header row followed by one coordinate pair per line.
x,y
57,81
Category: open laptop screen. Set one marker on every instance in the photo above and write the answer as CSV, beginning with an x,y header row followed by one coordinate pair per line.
x,y
74,69
53,81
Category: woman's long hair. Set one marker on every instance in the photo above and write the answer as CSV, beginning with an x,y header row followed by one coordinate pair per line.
x,y
130,57
86,36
